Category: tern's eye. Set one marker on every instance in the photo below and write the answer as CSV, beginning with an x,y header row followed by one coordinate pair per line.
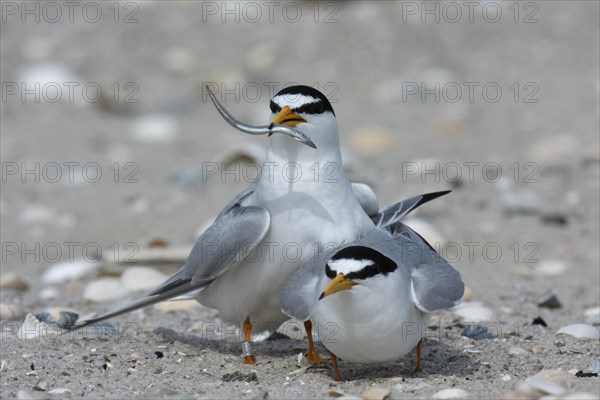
x,y
274,107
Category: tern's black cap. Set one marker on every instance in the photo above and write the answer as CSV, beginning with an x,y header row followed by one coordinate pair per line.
x,y
300,95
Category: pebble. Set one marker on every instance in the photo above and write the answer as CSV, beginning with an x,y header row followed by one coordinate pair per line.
x,y
247,152
105,289
376,394
142,278
473,311
372,141
180,61
48,293
64,319
176,305
594,367
37,214
592,316
428,231
452,393
550,268
154,128
159,255
10,312
551,381
521,201
33,328
239,377
69,271
580,331
41,385
477,332
42,74
59,391
549,300
14,281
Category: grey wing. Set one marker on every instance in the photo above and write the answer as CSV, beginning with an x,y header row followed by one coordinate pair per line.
x,y
237,227
301,291
436,285
394,213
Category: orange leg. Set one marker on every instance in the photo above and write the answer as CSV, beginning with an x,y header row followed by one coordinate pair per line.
x,y
312,355
247,336
336,371
419,348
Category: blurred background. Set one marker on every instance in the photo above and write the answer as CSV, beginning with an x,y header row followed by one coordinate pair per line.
x,y
107,134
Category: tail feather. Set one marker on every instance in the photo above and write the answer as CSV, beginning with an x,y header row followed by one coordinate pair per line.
x,y
141,303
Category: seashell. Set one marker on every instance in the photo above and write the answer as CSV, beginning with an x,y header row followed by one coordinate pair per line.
x,y
62,318
580,331
33,328
452,393
376,394
104,289
10,312
592,316
69,271
473,311
154,128
550,268
14,281
551,381
142,278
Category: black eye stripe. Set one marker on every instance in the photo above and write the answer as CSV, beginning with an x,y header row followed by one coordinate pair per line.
x,y
274,107
330,274
316,107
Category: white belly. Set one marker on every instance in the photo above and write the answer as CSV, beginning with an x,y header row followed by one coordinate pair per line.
x,y
365,327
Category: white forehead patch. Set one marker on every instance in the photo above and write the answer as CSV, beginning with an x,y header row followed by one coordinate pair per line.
x,y
293,100
347,265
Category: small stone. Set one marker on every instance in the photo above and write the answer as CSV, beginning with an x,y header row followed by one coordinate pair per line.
x,y
180,61
580,331
142,278
10,312
594,367
33,328
550,268
506,378
104,289
550,381
154,128
473,312
539,321
372,141
592,316
41,385
14,281
581,374
48,293
68,271
477,332
549,300
521,202
375,394
452,393
176,305
555,219
335,393
430,233
62,318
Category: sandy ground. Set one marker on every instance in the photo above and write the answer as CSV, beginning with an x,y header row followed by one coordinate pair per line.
x,y
513,232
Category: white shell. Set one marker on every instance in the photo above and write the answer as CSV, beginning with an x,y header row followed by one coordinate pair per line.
x,y
473,311
68,271
104,289
580,331
142,278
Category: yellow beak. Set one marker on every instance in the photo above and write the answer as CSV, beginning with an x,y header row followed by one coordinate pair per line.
x,y
337,284
287,117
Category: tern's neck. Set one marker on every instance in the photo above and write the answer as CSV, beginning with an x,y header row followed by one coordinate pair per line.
x,y
294,162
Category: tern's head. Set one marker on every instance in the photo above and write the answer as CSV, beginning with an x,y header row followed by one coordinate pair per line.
x,y
309,111
355,265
